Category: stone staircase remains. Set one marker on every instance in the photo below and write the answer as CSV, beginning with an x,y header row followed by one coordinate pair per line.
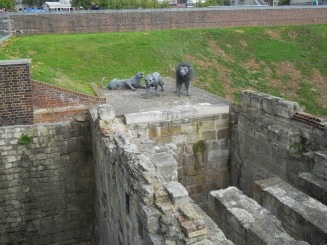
x,y
302,216
244,221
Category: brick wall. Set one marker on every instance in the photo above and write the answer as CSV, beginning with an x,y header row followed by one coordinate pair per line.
x,y
54,104
16,100
158,19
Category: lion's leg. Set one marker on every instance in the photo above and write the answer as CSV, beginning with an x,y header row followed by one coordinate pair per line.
x,y
147,92
187,85
179,88
130,86
157,90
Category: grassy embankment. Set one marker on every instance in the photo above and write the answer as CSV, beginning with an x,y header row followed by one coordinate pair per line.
x,y
289,62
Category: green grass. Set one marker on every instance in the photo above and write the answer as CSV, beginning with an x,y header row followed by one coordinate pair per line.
x,y
283,61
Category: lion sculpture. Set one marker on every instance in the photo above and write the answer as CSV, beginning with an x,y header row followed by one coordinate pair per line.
x,y
184,75
132,83
153,80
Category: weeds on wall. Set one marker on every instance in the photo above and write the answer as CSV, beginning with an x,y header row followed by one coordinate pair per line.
x,y
25,139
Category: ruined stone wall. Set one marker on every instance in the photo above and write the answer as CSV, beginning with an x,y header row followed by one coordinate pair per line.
x,y
267,141
138,198
46,184
201,134
159,19
16,99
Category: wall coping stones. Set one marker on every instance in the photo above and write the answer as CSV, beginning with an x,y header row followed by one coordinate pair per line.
x,y
176,113
15,62
299,213
270,104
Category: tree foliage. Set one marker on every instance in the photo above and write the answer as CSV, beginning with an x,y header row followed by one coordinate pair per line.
x,y
207,3
120,4
7,4
36,3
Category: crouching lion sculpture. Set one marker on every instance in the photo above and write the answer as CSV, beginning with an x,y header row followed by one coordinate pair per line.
x,y
132,83
153,80
184,74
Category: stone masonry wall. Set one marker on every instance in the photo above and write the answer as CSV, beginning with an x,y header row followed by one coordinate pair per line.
x,y
201,134
46,185
267,141
16,100
138,198
159,19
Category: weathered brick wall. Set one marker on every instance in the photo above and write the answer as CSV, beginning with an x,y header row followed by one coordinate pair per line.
x,y
46,186
268,142
16,99
55,104
158,19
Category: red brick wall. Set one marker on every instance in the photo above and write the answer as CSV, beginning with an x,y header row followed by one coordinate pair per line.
x,y
157,19
54,104
16,100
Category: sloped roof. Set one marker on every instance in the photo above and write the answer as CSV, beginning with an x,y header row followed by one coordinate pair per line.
x,y
60,4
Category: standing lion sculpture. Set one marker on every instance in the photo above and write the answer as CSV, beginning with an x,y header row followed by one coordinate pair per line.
x,y
132,83
184,74
153,80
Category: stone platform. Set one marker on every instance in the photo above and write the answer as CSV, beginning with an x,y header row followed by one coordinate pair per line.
x,y
127,101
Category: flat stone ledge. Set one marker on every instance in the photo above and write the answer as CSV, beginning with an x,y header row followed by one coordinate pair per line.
x,y
15,62
301,215
176,113
244,221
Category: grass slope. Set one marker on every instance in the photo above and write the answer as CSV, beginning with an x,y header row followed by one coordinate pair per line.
x,y
289,62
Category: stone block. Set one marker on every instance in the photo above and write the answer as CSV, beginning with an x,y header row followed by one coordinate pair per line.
x,y
106,112
287,109
177,193
222,133
209,135
166,166
257,100
320,167
314,186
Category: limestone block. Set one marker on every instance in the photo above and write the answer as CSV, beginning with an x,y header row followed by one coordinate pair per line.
x,y
257,100
320,167
269,104
209,135
151,216
316,187
246,99
222,133
287,109
177,193
106,112
176,113
166,166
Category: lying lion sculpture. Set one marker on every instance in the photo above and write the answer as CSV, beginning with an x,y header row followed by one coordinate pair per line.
x,y
132,83
184,75
153,80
